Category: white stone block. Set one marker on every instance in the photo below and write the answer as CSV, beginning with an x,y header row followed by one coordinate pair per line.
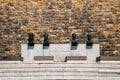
x,y
60,51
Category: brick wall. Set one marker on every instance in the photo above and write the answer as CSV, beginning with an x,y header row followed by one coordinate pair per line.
x,y
59,18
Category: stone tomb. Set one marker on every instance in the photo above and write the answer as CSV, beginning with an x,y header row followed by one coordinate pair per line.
x,y
60,51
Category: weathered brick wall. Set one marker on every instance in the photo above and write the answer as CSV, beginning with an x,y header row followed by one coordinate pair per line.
x,y
59,18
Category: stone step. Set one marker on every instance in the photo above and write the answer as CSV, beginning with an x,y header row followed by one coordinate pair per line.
x,y
62,65
61,78
49,70
67,71
41,74
61,70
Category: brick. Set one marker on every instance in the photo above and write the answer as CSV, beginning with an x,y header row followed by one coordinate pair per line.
x,y
60,18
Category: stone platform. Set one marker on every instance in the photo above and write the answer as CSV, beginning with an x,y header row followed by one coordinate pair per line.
x,y
60,51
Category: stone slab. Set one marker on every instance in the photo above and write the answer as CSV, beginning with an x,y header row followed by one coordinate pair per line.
x,y
110,58
44,58
75,58
11,58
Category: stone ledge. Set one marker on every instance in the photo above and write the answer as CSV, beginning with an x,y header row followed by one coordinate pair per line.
x,y
110,58
2,58
75,58
44,58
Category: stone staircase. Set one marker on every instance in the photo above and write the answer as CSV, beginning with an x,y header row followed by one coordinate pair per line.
x,y
59,71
